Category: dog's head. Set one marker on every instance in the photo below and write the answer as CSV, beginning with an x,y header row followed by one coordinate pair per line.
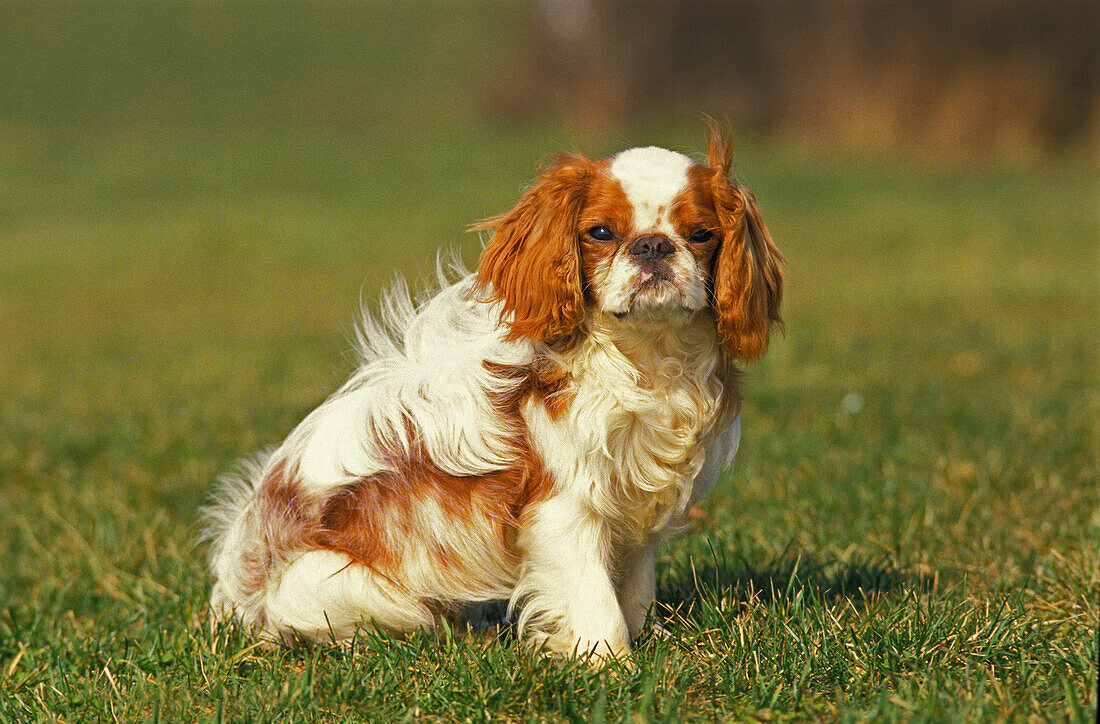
x,y
647,231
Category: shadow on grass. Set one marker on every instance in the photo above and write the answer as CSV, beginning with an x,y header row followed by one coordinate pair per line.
x,y
778,578
783,576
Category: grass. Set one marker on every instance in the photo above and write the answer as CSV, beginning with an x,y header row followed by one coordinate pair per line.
x,y
911,531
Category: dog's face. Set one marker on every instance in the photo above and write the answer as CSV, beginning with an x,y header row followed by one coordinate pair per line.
x,y
647,234
644,232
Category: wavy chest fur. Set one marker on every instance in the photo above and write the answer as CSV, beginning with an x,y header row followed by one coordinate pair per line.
x,y
643,404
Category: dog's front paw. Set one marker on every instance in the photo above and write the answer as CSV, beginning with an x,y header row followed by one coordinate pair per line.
x,y
595,651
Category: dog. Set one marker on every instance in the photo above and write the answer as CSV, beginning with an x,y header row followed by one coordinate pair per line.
x,y
531,431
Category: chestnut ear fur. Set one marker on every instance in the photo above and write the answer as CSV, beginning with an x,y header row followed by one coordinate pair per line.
x,y
532,264
748,273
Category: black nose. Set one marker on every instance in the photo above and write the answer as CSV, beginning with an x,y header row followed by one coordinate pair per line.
x,y
651,248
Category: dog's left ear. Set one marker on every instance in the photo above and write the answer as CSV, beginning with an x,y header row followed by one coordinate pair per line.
x,y
748,273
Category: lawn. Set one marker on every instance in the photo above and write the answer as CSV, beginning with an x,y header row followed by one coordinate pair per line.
x,y
910,532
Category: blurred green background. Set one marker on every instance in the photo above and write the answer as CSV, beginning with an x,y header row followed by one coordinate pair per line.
x,y
159,157
194,197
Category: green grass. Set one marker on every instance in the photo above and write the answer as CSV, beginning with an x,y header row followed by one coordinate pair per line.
x,y
911,530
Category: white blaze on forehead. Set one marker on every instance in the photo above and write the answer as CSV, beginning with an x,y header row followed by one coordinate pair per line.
x,y
652,178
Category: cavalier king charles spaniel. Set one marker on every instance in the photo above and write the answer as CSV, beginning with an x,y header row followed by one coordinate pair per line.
x,y
531,431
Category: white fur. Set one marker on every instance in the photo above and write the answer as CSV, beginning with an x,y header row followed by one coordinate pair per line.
x,y
421,364
624,458
652,178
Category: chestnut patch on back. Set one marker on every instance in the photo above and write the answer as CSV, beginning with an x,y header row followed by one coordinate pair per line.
x,y
374,518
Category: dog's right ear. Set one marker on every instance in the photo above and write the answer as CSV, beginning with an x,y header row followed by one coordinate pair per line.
x,y
532,264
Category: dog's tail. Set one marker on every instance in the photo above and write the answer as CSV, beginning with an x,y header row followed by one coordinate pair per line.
x,y
251,538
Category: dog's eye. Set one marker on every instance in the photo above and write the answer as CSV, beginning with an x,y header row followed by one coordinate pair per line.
x,y
702,235
601,233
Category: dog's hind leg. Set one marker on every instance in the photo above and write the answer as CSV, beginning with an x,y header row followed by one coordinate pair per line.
x,y
325,595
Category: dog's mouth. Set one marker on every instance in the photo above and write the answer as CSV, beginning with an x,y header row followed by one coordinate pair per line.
x,y
655,276
654,287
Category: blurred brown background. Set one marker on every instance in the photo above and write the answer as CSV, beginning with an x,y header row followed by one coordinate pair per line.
x,y
1003,76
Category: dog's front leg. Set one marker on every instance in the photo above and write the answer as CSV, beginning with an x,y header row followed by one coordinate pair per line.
x,y
565,590
637,589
